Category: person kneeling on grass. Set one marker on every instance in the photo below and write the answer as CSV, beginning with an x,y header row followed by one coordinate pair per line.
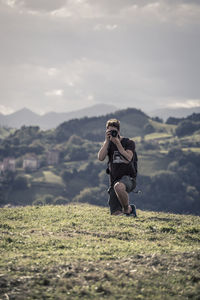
x,y
120,152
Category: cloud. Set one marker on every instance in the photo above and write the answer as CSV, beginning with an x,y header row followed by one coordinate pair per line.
x,y
109,27
186,104
54,93
36,5
124,52
6,110
53,71
95,9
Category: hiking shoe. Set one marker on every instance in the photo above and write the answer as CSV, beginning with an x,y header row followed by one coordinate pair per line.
x,y
133,212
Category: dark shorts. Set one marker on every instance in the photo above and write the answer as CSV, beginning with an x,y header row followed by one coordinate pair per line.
x,y
113,202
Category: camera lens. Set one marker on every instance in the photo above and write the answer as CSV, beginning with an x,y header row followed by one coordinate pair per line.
x,y
114,133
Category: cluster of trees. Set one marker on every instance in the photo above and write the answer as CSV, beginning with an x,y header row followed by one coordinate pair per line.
x,y
185,126
176,189
175,121
22,141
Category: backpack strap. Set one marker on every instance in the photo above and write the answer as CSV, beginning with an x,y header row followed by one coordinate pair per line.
x,y
134,160
108,163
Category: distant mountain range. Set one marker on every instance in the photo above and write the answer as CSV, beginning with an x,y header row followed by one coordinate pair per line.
x,y
52,119
179,112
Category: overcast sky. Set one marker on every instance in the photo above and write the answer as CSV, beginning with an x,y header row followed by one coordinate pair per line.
x,y
63,55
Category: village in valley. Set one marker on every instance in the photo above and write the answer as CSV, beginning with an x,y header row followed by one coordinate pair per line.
x,y
30,162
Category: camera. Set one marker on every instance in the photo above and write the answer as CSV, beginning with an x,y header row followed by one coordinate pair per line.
x,y
114,133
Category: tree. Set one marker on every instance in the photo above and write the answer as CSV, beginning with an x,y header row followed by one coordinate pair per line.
x,y
45,199
157,119
95,195
60,200
20,182
187,128
148,128
76,153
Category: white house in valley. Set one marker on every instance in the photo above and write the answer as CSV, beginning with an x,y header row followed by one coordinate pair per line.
x,y
31,162
8,164
53,157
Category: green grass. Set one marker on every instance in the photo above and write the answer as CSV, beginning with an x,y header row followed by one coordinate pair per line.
x,y
50,177
162,126
193,149
46,176
4,132
195,137
152,161
157,135
81,252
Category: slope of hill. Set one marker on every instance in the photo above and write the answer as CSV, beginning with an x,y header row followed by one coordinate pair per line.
x,y
133,122
81,252
179,112
4,132
195,117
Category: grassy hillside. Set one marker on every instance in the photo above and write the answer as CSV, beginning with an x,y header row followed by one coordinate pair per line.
x,y
81,252
4,132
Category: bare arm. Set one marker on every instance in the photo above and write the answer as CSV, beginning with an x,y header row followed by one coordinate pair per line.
x,y
104,149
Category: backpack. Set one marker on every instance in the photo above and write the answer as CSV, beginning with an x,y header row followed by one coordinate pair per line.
x,y
135,162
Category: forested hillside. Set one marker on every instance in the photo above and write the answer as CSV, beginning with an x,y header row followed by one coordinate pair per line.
x,y
169,163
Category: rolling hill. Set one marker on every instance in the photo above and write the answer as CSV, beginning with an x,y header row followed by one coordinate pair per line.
x,y
134,122
179,112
